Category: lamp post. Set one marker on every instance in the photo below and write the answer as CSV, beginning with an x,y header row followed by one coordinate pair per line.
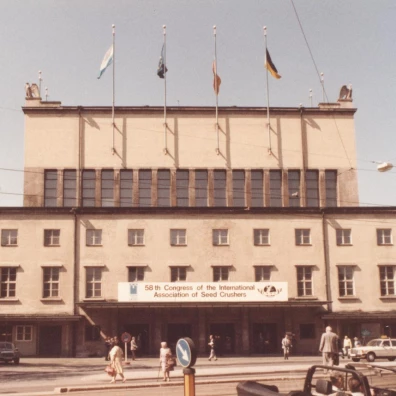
x,y
384,166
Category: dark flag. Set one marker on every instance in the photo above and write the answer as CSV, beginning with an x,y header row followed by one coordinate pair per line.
x,y
270,66
216,78
162,69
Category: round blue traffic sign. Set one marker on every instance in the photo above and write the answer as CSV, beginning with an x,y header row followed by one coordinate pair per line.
x,y
186,352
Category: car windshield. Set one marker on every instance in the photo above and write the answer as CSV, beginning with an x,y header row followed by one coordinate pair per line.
x,y
6,345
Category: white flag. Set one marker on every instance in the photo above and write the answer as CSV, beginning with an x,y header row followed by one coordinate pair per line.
x,y
107,61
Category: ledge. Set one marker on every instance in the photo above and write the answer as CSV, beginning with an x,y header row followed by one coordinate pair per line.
x,y
346,298
51,300
9,300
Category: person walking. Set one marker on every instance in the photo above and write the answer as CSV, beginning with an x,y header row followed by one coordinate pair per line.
x,y
212,345
347,345
328,347
165,354
134,348
116,355
286,345
356,342
108,347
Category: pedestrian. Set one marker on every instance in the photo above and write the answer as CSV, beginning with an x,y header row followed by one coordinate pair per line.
x,y
108,347
355,386
346,346
356,342
165,354
212,345
134,347
329,347
286,345
116,355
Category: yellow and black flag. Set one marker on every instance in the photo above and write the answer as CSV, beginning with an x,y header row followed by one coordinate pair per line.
x,y
270,66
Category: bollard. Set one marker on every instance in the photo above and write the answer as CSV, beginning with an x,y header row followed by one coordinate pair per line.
x,y
189,381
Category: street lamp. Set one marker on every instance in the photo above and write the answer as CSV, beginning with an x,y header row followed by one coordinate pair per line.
x,y
384,167
390,331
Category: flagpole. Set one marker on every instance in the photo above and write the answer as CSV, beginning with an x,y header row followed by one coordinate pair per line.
x,y
268,113
112,109
165,124
322,82
216,92
40,79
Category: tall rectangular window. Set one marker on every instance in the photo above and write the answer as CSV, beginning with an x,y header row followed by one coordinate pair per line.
x,y
51,282
93,284
126,186
24,333
303,236
312,186
182,187
238,188
163,187
70,188
107,188
220,237
220,183
50,187
88,188
276,188
384,236
262,273
261,237
294,187
178,274
145,179
8,282
9,237
51,237
304,281
345,281
257,183
387,280
220,273
135,274
136,237
93,237
343,236
178,237
331,188
201,188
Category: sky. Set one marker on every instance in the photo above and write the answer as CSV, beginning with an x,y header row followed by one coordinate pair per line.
x,y
351,42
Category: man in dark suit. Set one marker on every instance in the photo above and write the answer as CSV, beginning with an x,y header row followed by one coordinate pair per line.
x,y
328,346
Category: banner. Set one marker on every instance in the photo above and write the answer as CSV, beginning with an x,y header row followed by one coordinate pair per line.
x,y
203,292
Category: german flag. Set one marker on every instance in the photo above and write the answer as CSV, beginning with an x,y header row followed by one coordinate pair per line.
x,y
271,67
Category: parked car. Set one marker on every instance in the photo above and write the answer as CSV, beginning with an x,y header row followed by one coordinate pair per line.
x,y
379,348
8,352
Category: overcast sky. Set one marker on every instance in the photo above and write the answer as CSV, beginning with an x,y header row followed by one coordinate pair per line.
x,y
352,42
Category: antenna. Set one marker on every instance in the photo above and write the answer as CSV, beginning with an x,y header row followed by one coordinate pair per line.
x,y
310,97
40,79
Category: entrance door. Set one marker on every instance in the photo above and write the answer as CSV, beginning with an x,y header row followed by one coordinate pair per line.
x,y
265,339
141,334
50,341
224,334
177,331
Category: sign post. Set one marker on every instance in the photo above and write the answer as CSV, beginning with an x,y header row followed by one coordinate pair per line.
x,y
125,338
187,355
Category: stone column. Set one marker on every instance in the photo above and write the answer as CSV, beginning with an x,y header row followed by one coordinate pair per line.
x,y
116,191
98,185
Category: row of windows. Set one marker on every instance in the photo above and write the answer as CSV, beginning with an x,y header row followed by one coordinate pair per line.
x,y
187,184
51,279
178,237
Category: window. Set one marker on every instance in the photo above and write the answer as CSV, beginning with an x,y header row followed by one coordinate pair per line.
x,y
238,188
8,282
178,237
307,330
145,179
220,182
304,281
88,188
93,237
343,237
93,282
6,333
275,188
126,185
220,274
9,237
51,237
136,237
163,187
262,273
92,333
182,187
220,237
261,237
303,236
384,236
178,274
201,188
107,188
387,280
312,185
331,188
51,282
257,195
69,188
294,187
135,274
345,281
24,333
50,187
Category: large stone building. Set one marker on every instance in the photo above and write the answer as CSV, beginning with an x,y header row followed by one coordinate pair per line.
x,y
186,229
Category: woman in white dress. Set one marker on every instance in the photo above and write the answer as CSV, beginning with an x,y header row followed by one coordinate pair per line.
x,y
165,352
116,355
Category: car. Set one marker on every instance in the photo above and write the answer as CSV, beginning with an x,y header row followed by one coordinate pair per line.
x,y
378,348
8,352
